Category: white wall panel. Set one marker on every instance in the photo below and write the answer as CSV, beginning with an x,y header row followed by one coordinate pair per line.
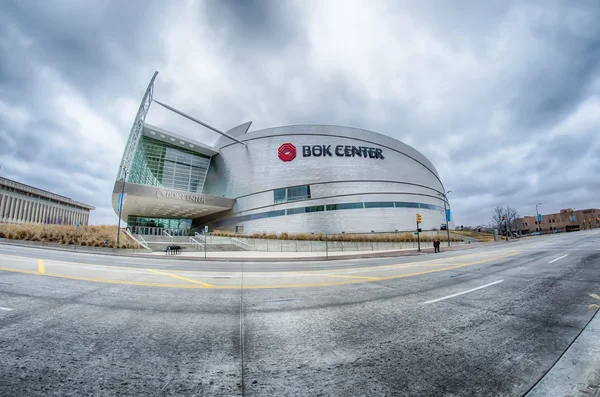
x,y
251,173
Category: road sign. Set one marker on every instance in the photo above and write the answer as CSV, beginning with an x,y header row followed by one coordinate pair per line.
x,y
205,228
78,224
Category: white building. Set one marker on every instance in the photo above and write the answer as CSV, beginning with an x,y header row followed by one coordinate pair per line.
x,y
20,203
300,178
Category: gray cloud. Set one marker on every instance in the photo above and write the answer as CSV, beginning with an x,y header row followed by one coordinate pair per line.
x,y
503,97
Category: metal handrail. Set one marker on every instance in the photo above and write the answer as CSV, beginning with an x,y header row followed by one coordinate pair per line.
x,y
237,242
200,236
169,237
144,243
196,243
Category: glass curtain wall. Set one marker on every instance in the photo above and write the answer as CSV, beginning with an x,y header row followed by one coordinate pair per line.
x,y
160,164
166,223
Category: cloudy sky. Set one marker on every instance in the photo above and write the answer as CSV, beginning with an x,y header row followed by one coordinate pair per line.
x,y
503,97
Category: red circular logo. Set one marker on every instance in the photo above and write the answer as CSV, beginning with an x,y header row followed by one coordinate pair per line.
x,y
286,152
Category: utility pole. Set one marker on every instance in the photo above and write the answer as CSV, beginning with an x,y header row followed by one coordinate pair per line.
x,y
419,219
120,203
445,196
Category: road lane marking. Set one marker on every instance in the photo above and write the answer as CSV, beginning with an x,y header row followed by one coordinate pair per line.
x,y
199,285
189,280
332,275
6,309
434,262
560,257
41,269
462,293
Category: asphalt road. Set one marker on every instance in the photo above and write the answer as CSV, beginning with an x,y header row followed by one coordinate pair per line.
x,y
488,321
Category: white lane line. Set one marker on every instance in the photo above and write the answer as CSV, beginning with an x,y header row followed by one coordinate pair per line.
x,y
560,257
462,293
5,309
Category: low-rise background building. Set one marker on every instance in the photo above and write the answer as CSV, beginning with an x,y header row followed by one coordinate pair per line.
x,y
565,220
20,203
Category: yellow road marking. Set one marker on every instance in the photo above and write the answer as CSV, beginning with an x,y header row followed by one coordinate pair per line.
x,y
434,262
189,280
200,285
333,275
449,268
379,267
41,269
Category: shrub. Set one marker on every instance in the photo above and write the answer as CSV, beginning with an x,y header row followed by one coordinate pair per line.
x,y
66,234
364,237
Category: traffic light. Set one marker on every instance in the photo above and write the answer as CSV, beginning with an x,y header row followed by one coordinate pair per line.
x,y
419,219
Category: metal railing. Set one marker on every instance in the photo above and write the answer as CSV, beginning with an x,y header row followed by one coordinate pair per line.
x,y
143,242
196,244
240,243
200,236
169,237
138,240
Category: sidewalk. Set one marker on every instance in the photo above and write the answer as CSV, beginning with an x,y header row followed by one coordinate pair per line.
x,y
240,255
321,255
577,372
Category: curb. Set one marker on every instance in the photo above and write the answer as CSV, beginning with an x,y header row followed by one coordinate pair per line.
x,y
575,372
258,259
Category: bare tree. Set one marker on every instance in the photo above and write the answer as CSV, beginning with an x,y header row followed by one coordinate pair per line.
x,y
511,215
498,215
496,221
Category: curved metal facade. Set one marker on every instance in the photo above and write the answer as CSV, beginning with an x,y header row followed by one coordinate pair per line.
x,y
359,181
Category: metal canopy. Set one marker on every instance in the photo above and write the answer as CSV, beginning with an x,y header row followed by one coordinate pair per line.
x,y
198,121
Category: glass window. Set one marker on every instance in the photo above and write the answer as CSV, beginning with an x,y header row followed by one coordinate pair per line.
x,y
379,204
406,205
272,214
161,164
292,211
167,223
291,194
319,208
298,193
280,196
348,206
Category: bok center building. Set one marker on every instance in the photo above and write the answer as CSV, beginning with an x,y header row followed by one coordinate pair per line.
x,y
299,178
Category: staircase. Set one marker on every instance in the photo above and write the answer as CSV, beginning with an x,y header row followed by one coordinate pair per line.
x,y
160,244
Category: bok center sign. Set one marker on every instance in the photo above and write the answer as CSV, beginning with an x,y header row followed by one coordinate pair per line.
x,y
162,194
287,151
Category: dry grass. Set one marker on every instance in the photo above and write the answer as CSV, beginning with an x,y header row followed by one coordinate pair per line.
x,y
379,237
92,236
477,235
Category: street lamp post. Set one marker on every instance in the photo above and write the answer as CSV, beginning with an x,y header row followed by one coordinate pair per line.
x,y
121,204
445,196
537,216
